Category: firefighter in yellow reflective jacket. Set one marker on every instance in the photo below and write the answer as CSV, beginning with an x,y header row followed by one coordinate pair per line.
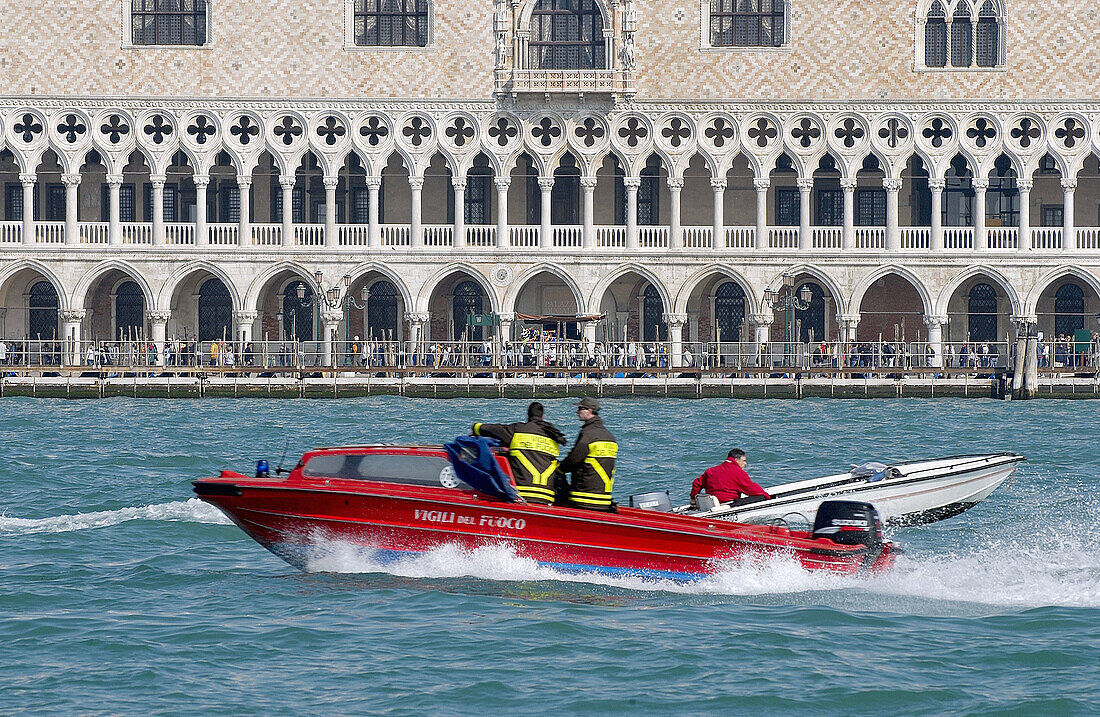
x,y
532,452
592,460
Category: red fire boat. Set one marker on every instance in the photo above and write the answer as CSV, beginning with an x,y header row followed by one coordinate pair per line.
x,y
402,500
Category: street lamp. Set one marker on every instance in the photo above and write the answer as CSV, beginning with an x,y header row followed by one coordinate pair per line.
x,y
785,299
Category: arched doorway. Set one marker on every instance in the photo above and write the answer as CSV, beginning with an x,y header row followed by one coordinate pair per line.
x,y
129,311
382,311
42,305
215,311
729,311
298,312
891,309
469,298
981,309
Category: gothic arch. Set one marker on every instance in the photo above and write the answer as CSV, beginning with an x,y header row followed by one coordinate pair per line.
x,y
93,274
992,274
683,296
1046,280
172,283
520,282
822,277
15,267
596,297
866,282
252,295
424,298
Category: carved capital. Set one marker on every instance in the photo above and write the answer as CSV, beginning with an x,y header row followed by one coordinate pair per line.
x,y
805,184
201,181
158,317
1025,185
632,182
849,185
332,317
588,182
849,320
287,181
73,316
246,317
937,184
931,320
502,183
373,182
761,319
1067,184
506,318
70,180
980,184
330,183
458,182
675,183
761,185
416,183
25,178
417,317
546,183
718,185
676,321
244,181
157,180
891,185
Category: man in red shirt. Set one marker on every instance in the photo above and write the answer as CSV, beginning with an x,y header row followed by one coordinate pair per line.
x,y
728,480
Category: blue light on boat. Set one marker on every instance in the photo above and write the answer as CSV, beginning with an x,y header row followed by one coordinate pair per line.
x,y
262,469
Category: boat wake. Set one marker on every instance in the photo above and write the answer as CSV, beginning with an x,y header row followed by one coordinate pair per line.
x,y
192,510
1006,577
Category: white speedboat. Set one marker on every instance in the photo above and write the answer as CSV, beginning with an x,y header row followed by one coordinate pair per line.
x,y
906,493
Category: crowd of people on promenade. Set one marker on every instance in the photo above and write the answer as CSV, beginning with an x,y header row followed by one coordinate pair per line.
x,y
542,354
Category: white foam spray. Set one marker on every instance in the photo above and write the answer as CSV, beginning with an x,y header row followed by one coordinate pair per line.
x,y
192,510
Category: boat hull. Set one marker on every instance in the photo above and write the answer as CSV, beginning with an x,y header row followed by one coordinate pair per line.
x,y
300,519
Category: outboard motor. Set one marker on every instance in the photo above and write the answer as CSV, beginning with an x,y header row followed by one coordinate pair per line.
x,y
659,501
848,522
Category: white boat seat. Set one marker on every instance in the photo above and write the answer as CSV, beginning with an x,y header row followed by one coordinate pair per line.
x,y
706,503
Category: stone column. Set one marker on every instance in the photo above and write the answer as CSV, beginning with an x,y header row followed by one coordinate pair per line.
x,y
244,225
718,223
416,230
201,181
459,184
331,321
245,322
935,241
805,233
935,326
72,321
505,328
761,333
286,186
630,185
72,207
893,233
1023,243
114,228
157,181
980,239
502,184
675,231
848,325
1069,234
159,321
416,321
676,338
588,189
546,231
374,229
28,182
761,186
331,236
848,236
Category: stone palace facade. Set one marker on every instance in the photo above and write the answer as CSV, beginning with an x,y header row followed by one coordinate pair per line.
x,y
612,169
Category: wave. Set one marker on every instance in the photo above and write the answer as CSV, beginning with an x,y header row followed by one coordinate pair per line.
x,y
192,510
1002,577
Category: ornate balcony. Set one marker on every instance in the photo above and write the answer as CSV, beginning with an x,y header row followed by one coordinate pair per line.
x,y
583,82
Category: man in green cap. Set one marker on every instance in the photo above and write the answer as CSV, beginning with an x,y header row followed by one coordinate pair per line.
x,y
592,460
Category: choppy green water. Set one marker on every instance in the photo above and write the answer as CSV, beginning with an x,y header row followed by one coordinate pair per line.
x,y
121,595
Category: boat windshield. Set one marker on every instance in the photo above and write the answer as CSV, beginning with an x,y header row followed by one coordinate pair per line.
x,y
387,468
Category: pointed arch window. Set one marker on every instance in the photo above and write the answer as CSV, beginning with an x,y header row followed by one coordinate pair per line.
x,y
935,36
961,34
42,309
981,308
566,35
1069,309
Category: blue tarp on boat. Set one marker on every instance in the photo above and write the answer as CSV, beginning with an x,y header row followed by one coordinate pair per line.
x,y
474,463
